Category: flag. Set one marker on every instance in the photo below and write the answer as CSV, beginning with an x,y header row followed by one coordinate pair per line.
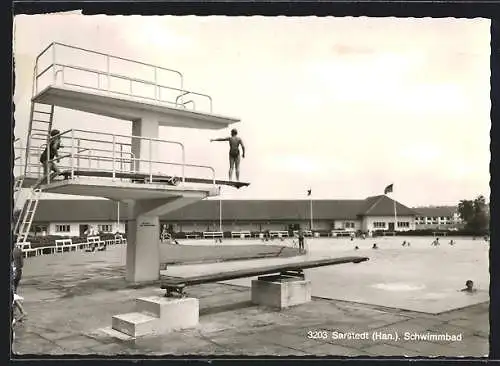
x,y
309,192
388,189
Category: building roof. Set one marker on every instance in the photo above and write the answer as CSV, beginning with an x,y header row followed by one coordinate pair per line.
x,y
208,210
435,211
267,210
384,206
76,210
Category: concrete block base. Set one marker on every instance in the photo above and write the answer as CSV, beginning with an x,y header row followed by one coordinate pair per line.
x,y
173,313
280,292
135,324
158,315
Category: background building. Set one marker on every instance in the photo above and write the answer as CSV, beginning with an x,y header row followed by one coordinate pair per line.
x,y
439,218
74,217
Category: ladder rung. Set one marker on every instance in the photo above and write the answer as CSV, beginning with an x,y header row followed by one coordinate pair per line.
x,y
43,112
39,120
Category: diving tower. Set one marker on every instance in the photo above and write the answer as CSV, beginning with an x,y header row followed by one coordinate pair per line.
x,y
130,167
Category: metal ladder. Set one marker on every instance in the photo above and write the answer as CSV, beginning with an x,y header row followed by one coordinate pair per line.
x,y
25,219
18,184
41,118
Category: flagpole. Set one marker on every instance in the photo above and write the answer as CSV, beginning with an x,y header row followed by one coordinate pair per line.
x,y
311,205
395,216
309,193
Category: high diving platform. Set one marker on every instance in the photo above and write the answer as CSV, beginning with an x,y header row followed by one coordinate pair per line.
x,y
150,174
94,82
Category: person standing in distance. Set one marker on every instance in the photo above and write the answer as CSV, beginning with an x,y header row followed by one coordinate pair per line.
x,y
234,152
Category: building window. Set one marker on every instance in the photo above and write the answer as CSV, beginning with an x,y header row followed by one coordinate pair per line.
x,y
403,224
106,228
349,225
379,225
62,228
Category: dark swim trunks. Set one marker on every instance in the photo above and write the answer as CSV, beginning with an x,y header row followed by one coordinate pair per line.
x,y
234,158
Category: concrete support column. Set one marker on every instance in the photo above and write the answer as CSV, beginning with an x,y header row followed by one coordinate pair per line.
x,y
145,149
143,251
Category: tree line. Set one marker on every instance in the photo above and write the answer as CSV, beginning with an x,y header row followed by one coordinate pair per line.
x,y
475,214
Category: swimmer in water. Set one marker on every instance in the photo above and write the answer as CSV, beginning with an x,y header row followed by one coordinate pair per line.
x,y
469,287
356,247
234,152
375,246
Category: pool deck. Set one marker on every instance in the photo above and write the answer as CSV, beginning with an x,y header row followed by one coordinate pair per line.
x,y
71,298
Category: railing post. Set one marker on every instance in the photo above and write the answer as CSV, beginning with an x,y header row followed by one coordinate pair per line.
x,y
54,63
78,154
47,170
72,154
150,161
121,158
156,84
35,84
107,73
183,164
114,148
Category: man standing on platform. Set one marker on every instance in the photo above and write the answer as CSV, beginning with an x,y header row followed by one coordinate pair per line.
x,y
234,152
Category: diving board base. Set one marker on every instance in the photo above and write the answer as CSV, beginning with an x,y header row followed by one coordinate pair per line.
x,y
158,315
280,292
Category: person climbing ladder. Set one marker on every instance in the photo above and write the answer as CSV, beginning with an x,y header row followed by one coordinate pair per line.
x,y
47,158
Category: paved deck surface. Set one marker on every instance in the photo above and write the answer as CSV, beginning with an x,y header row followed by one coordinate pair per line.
x,y
71,297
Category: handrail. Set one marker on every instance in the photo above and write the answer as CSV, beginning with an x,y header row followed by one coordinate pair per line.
x,y
107,158
117,155
183,150
107,72
130,79
43,137
54,44
123,59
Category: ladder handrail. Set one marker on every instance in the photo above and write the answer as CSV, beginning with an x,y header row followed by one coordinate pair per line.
x,y
25,219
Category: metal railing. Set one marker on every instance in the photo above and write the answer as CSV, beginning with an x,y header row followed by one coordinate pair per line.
x,y
58,67
76,152
90,151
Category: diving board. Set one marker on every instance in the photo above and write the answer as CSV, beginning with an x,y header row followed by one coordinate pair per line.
x,y
163,314
177,285
156,178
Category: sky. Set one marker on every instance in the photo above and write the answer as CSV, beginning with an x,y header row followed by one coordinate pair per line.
x,y
344,106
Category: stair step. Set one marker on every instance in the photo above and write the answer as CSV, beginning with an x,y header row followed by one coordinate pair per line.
x,y
161,306
135,324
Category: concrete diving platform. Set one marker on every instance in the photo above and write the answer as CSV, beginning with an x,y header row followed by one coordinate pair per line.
x,y
107,85
118,190
129,107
